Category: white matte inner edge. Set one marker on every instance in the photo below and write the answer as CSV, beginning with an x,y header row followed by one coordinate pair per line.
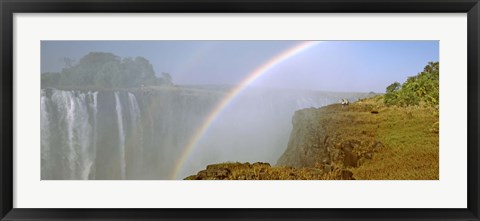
x,y
448,192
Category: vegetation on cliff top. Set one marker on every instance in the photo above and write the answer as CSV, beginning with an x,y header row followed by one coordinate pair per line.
x,y
410,139
422,89
105,70
386,137
367,141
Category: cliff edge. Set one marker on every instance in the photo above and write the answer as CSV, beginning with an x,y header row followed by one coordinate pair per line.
x,y
369,139
364,140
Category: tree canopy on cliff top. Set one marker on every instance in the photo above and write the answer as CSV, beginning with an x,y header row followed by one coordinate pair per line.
x,y
422,89
106,70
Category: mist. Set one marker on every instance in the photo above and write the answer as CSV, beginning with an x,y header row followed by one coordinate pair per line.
x,y
138,134
111,117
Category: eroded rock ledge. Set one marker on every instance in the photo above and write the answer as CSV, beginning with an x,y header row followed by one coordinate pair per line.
x,y
335,135
263,171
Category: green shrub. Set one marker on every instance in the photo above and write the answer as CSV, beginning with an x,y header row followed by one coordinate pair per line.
x,y
422,89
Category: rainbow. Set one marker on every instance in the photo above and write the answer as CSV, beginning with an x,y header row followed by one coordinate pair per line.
x,y
229,97
195,58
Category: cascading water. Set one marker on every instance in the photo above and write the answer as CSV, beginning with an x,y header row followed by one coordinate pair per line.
x,y
66,131
45,134
93,150
121,137
140,134
136,132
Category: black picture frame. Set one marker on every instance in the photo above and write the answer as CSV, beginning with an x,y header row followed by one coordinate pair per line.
x,y
9,7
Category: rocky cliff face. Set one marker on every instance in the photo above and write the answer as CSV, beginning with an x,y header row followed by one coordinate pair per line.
x,y
263,171
334,136
140,133
364,140
325,143
117,134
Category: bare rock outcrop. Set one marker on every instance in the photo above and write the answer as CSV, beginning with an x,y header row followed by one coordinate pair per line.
x,y
328,137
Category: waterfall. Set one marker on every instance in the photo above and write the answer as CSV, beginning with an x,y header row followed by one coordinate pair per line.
x,y
136,132
84,135
69,134
44,135
73,115
121,136
93,152
134,109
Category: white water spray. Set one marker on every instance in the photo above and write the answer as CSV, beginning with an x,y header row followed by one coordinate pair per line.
x,y
121,136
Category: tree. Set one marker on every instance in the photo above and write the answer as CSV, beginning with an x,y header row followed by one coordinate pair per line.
x,y
422,89
165,79
100,69
50,79
392,93
109,75
67,61
393,87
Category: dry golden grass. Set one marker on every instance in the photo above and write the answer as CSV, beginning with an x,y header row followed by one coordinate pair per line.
x,y
262,171
410,137
409,146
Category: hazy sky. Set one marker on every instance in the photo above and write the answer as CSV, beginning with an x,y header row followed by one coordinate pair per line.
x,y
357,66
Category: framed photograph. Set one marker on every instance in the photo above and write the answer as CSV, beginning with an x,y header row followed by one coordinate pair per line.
x,y
239,110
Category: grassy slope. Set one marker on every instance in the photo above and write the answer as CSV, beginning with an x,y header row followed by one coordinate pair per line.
x,y
409,151
410,136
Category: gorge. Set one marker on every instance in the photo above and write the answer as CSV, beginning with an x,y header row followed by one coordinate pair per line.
x,y
140,133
